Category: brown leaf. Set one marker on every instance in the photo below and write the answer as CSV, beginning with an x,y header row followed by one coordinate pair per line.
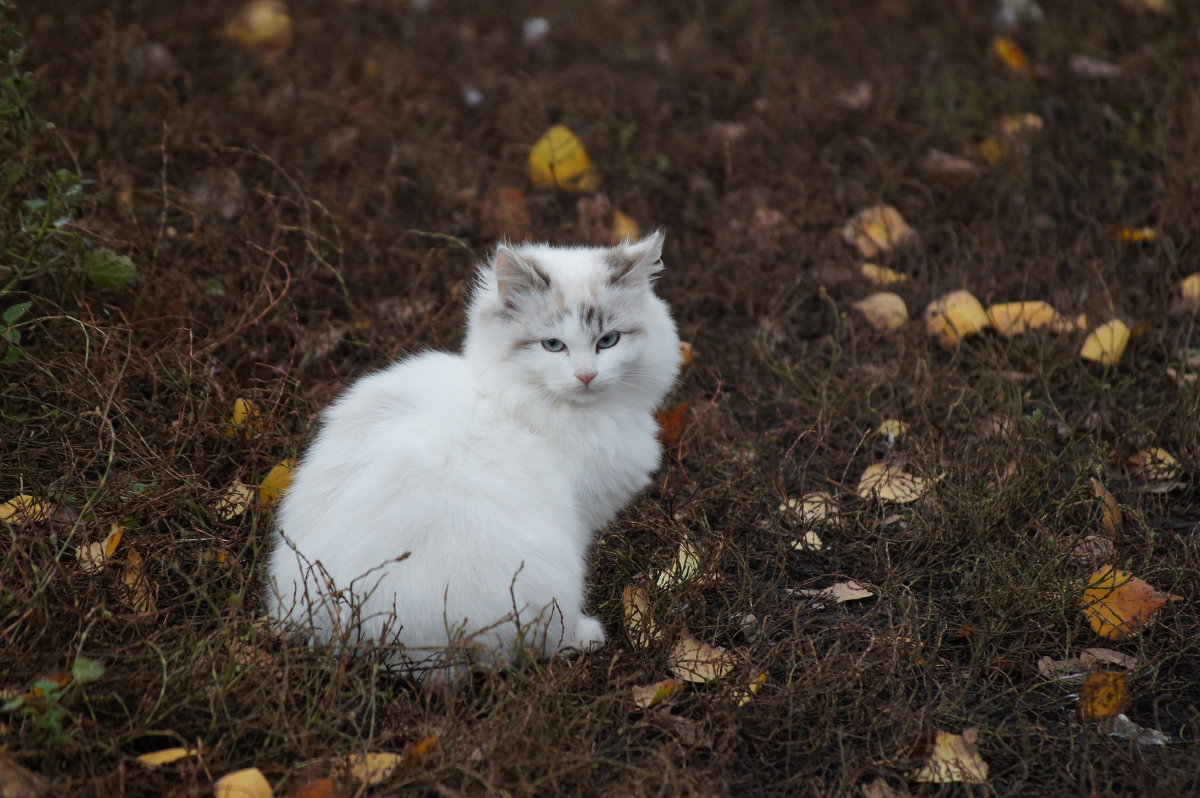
x,y
506,214
947,169
17,781
954,758
319,788
670,423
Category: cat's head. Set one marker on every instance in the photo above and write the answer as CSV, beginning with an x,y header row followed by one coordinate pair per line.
x,y
576,324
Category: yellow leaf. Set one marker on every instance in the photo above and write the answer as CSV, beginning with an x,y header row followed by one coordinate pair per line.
x,y
1117,604
891,483
813,508
954,758
276,482
559,159
881,275
686,353
245,416
642,628
1012,55
1106,343
837,593
809,541
624,228
954,316
891,428
374,767
263,27
694,661
1103,694
416,753
877,229
248,783
1157,464
1015,125
137,587
164,757
94,556
1135,235
1013,318
24,509
884,311
651,694
1110,512
1189,287
747,695
236,499
992,150
686,565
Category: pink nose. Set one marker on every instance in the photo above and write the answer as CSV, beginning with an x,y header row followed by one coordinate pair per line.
x,y
586,377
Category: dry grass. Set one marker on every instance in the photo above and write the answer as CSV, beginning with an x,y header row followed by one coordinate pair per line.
x,y
365,184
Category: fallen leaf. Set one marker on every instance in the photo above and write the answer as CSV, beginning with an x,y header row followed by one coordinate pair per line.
x,y
879,788
1065,324
1014,125
234,501
559,159
992,150
809,541
165,756
1123,728
891,428
838,592
138,595
1117,604
248,783
877,229
670,423
1110,512
1094,549
18,781
745,696
884,311
1104,694
856,98
276,482
323,787
891,483
812,508
1189,288
642,628
93,557
372,768
1106,343
947,169
694,661
1135,235
263,27
245,417
1014,318
686,565
1157,464
1012,55
624,228
24,509
881,275
652,694
955,757
686,353
1092,655
506,214
1086,66
416,753
954,316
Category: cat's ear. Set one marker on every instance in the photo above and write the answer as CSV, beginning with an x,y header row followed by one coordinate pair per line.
x,y
517,274
636,264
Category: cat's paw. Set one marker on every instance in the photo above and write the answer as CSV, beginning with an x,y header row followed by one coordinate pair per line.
x,y
589,633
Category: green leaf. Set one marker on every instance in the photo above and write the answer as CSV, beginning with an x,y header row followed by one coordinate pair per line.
x,y
86,670
14,312
13,703
107,269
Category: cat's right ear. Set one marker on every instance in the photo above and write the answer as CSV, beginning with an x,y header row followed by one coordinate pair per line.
x,y
517,274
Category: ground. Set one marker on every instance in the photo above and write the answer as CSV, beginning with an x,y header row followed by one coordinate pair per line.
x,y
298,216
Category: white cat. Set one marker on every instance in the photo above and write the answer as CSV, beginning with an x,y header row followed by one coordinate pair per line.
x,y
454,497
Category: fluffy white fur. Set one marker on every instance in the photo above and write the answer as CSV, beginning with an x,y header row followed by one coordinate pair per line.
x,y
454,497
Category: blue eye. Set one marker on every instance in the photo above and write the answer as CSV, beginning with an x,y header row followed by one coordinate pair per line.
x,y
553,345
608,340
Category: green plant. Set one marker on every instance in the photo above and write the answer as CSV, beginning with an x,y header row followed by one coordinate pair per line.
x,y
46,700
10,336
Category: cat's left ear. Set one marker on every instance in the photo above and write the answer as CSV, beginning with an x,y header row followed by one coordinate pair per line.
x,y
636,264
